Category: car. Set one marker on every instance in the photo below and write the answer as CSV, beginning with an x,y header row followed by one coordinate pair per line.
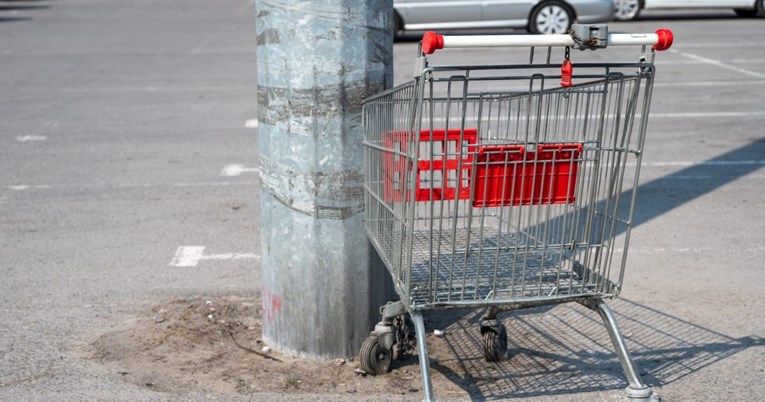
x,y
626,10
537,16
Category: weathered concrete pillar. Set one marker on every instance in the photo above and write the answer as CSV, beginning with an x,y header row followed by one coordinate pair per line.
x,y
317,60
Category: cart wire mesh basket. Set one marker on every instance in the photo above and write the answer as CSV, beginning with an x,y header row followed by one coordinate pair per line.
x,y
506,186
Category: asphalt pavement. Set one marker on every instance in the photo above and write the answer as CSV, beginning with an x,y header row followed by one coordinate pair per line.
x,y
128,137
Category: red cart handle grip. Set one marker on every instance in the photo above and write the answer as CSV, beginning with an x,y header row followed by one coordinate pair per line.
x,y
665,39
431,42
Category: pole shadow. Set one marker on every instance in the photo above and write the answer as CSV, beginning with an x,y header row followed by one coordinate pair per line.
x,y
13,19
13,6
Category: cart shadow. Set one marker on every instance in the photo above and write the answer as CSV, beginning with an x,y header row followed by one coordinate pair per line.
x,y
664,194
566,350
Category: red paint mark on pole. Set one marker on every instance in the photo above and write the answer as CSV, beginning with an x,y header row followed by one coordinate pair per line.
x,y
271,304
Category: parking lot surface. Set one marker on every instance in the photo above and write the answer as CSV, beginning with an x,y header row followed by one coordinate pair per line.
x,y
128,134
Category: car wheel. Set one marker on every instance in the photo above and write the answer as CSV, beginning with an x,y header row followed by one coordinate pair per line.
x,y
746,13
396,24
627,10
760,8
551,17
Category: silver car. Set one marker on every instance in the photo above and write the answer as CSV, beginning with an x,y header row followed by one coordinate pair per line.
x,y
537,16
630,9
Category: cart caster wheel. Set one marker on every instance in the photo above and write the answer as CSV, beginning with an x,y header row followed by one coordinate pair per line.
x,y
494,343
374,358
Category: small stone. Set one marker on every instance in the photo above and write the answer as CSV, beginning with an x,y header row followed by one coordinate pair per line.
x,y
339,362
265,349
438,332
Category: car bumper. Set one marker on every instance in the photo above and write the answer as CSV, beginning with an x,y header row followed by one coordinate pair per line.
x,y
593,11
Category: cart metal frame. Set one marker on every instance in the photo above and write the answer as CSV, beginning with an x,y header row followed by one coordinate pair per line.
x,y
506,186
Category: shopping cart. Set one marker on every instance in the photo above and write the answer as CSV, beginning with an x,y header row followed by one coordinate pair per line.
x,y
506,186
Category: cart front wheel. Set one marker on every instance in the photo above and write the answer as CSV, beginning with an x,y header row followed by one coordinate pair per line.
x,y
374,357
494,343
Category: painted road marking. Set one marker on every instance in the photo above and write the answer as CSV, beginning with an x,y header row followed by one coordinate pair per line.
x,y
30,138
252,123
703,163
190,256
706,114
693,62
237,170
727,45
720,64
691,250
20,187
725,84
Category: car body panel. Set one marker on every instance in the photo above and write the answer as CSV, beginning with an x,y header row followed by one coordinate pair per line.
x,y
669,4
462,14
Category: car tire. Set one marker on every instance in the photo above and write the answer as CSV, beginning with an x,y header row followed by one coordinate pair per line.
x,y
396,25
746,13
551,17
627,10
760,8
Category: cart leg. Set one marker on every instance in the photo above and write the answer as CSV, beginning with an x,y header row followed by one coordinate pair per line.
x,y
637,390
422,350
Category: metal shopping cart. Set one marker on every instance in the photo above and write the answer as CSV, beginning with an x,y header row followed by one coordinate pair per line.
x,y
506,186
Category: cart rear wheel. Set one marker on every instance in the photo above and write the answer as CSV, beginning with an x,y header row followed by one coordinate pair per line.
x,y
494,343
374,357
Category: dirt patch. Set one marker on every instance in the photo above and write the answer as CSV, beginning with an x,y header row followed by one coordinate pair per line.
x,y
215,345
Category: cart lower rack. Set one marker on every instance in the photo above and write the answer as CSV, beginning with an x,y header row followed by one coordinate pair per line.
x,y
506,186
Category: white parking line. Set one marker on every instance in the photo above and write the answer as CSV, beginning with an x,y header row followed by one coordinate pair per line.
x,y
726,45
691,250
720,64
190,256
237,170
29,138
706,114
726,84
22,187
253,123
705,163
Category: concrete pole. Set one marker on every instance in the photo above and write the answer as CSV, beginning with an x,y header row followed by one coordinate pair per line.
x,y
317,60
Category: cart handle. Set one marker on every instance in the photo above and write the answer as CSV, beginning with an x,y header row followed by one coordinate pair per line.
x,y
431,41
